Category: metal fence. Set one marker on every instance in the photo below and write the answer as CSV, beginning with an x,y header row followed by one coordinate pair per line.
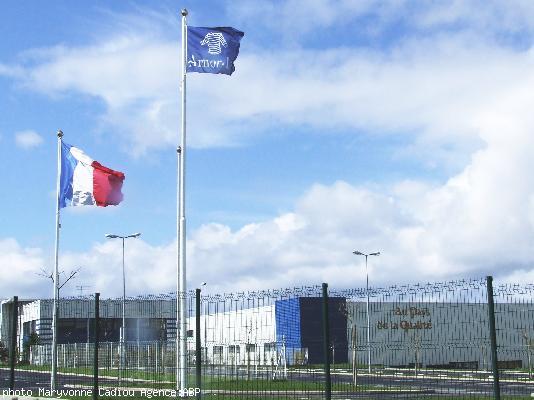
x,y
412,341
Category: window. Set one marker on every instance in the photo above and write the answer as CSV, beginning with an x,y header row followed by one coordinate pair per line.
x,y
233,349
217,350
269,352
269,347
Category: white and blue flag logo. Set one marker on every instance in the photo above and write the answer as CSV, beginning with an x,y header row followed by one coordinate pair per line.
x,y
212,50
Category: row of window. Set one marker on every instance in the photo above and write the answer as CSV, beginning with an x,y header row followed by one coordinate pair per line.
x,y
249,348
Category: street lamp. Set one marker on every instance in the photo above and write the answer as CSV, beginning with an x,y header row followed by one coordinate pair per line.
x,y
205,355
359,253
123,329
198,356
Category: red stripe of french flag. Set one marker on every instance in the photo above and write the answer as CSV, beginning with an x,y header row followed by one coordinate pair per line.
x,y
107,185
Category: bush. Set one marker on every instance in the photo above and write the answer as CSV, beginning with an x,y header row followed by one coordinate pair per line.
x,y
33,339
4,353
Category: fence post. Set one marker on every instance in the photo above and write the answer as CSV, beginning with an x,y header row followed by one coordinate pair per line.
x,y
354,357
326,342
197,337
13,345
97,340
156,357
493,338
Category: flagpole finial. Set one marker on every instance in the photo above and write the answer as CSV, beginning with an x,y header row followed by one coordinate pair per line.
x,y
59,133
184,12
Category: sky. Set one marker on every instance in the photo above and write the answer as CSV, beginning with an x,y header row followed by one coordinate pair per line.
x,y
403,127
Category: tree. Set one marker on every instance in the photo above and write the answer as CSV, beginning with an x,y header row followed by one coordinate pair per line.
x,y
32,340
4,353
351,319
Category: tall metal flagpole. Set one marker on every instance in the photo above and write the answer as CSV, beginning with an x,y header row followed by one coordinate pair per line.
x,y
53,374
181,295
368,317
178,159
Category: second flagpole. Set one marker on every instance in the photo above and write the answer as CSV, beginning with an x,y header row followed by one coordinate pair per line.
x,y
181,376
53,374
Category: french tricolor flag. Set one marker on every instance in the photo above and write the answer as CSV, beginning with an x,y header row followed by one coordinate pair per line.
x,y
85,181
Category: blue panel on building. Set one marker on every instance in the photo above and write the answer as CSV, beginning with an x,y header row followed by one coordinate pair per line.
x,y
287,314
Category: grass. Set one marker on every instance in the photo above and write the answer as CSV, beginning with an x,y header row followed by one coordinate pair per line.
x,y
140,379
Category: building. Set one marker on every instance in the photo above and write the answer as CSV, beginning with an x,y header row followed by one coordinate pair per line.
x,y
6,321
440,334
289,331
146,320
290,328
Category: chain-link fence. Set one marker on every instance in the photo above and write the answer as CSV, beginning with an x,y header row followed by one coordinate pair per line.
x,y
412,341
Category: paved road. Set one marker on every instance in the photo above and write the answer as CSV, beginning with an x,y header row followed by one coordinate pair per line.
x,y
35,380
452,383
440,382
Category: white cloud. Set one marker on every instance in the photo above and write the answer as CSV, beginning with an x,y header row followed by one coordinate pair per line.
x,y
359,88
411,90
28,139
458,96
145,113
478,223
295,19
493,17
467,227
11,71
19,267
149,269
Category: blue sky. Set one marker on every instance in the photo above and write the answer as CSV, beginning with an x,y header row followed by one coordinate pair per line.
x,y
401,127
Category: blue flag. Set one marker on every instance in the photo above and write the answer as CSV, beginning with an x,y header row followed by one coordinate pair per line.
x,y
212,50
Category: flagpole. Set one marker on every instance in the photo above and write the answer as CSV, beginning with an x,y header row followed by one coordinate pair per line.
x,y
182,287
53,375
178,189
